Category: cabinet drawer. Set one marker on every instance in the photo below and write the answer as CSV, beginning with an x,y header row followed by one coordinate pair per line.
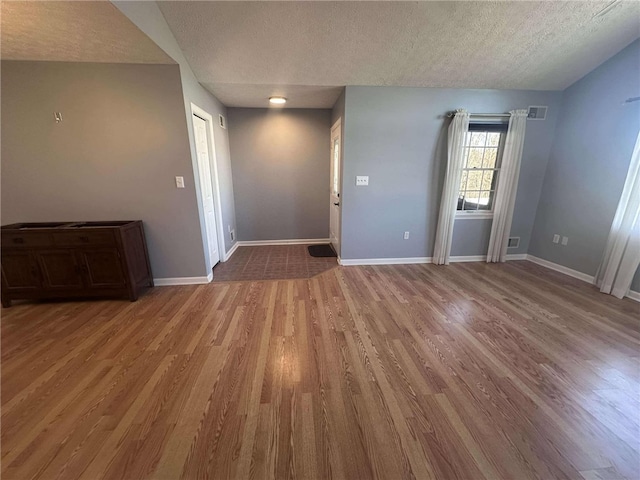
x,y
30,239
94,237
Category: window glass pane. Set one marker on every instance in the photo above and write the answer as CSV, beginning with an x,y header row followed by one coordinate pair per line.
x,y
471,201
466,158
474,180
493,139
475,158
467,139
463,181
487,179
485,200
490,155
478,139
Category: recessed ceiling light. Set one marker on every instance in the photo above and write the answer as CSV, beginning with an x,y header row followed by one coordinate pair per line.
x,y
277,100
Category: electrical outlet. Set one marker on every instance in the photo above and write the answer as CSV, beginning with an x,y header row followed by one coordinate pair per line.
x,y
565,240
362,180
406,235
232,234
179,182
556,238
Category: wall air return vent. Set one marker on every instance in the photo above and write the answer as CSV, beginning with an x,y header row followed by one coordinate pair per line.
x,y
537,112
514,242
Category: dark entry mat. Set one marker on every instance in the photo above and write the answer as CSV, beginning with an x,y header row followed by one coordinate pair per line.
x,y
321,251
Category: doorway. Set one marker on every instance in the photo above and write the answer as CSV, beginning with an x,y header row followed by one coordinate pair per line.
x,y
207,178
336,183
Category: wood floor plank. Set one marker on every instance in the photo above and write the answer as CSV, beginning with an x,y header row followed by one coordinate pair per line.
x,y
469,371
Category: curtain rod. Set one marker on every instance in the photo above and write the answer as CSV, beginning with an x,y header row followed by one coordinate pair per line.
x,y
496,115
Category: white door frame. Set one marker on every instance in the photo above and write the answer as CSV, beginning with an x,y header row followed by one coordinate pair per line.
x,y
213,167
337,126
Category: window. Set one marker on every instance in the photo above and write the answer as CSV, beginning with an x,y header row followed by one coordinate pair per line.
x,y
483,151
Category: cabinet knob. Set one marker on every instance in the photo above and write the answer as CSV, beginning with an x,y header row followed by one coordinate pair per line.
x,y
18,240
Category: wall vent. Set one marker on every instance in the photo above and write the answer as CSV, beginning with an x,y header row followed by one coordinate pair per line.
x,y
537,112
222,121
514,242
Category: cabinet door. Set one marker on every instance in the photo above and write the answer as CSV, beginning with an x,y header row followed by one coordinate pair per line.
x,y
19,272
102,268
60,269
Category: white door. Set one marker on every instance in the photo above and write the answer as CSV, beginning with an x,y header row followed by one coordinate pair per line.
x,y
204,172
334,198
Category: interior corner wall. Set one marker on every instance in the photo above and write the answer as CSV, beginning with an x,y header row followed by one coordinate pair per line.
x,y
281,172
588,164
397,136
114,156
147,17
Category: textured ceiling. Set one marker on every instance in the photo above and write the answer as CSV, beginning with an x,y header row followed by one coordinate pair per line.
x,y
74,32
245,51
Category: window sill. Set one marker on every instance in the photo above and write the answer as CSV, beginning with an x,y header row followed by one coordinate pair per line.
x,y
473,216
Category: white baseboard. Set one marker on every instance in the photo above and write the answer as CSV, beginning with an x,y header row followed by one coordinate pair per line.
x,y
166,282
633,295
231,251
383,261
468,258
561,268
295,241
412,260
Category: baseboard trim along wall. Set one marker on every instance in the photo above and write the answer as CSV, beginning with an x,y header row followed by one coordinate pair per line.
x,y
478,258
295,241
166,282
561,268
575,274
412,260
231,251
383,261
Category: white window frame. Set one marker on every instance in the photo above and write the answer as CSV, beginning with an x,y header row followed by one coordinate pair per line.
x,y
484,214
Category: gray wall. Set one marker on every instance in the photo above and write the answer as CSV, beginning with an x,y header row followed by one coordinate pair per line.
x,y
280,160
588,164
122,141
397,136
148,18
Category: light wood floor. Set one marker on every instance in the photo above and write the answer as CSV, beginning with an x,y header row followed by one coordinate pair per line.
x,y
469,371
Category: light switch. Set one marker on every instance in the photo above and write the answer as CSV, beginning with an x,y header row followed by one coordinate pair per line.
x,y
362,180
179,182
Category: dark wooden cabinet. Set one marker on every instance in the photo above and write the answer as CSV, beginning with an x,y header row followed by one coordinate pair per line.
x,y
82,259
19,272
59,269
102,268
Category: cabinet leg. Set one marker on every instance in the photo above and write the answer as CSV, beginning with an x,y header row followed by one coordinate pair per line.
x,y
133,295
6,303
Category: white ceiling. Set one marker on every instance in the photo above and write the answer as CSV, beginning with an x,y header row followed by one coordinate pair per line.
x,y
245,51
74,32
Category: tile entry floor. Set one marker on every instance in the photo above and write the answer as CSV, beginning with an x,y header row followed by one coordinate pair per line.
x,y
272,263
